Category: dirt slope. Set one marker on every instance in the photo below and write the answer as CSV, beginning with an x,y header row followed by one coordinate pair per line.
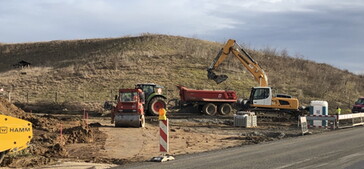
x,y
47,145
91,70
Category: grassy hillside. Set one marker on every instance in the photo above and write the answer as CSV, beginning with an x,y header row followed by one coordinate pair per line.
x,y
92,70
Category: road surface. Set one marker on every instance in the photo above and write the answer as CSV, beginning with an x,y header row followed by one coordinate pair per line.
x,y
337,149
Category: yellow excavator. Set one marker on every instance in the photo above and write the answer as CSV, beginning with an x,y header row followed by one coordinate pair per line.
x,y
261,97
15,135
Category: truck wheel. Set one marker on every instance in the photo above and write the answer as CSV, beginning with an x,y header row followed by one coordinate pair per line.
x,y
225,109
155,104
209,109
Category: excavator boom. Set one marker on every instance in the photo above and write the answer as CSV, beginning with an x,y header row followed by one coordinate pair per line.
x,y
247,61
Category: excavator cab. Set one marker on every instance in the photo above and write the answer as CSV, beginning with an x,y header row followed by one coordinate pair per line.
x,y
261,96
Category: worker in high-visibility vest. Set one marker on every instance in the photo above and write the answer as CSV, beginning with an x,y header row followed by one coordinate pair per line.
x,y
338,110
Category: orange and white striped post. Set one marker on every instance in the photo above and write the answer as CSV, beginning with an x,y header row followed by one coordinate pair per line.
x,y
163,138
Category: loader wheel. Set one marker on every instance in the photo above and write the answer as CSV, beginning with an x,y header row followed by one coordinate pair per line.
x,y
225,109
155,104
209,109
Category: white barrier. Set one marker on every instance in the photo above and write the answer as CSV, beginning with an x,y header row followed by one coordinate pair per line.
x,y
303,123
356,119
331,118
335,121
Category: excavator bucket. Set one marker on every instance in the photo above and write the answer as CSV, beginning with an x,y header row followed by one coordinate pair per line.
x,y
129,120
217,78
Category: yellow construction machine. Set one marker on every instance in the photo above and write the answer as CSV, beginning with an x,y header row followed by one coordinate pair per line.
x,y
15,134
261,97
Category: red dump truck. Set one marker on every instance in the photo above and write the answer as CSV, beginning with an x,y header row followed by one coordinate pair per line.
x,y
359,106
209,101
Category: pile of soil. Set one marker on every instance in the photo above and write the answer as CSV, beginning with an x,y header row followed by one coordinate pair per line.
x,y
6,108
47,145
79,134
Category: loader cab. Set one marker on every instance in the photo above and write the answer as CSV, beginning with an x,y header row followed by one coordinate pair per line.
x,y
128,97
130,101
133,95
149,88
261,96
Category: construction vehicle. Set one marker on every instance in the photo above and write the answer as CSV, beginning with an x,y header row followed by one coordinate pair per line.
x,y
131,104
154,98
209,101
261,97
358,106
129,110
15,135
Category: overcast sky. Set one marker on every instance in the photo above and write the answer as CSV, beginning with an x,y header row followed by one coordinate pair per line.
x,y
326,31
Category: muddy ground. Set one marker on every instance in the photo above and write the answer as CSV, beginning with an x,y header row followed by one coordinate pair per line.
x,y
98,141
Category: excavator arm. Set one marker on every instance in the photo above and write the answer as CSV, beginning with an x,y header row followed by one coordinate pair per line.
x,y
245,59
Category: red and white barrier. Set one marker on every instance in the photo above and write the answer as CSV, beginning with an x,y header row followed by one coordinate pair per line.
x,y
324,117
313,126
332,119
164,136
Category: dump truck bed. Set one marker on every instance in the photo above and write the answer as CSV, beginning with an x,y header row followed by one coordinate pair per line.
x,y
192,95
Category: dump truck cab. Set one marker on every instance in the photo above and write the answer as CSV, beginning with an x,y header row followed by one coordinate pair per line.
x,y
358,106
129,110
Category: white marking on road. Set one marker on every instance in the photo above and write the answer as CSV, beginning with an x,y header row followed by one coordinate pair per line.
x,y
349,157
288,165
315,165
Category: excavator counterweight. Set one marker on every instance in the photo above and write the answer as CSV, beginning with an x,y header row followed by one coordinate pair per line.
x,y
15,134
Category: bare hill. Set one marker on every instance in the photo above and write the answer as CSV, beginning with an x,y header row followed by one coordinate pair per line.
x,y
91,70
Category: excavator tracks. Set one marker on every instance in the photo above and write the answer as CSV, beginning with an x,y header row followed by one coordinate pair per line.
x,y
278,115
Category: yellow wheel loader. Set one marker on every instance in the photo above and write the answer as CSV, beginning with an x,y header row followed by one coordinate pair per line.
x,y
15,134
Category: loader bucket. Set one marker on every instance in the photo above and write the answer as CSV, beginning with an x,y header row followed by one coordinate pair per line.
x,y
217,78
129,120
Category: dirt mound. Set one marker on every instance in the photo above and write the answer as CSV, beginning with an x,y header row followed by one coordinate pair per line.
x,y
47,144
61,107
6,108
79,134
110,160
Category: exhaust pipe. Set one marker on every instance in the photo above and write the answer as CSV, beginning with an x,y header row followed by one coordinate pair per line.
x,y
217,78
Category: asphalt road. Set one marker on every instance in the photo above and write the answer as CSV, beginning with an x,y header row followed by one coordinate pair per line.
x,y
337,149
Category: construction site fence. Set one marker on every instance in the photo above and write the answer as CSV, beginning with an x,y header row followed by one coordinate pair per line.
x,y
350,120
332,121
